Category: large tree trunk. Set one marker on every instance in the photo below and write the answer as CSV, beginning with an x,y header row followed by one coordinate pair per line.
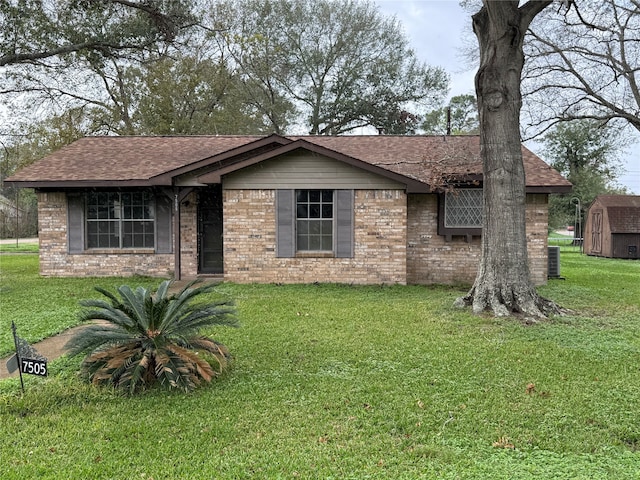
x,y
503,283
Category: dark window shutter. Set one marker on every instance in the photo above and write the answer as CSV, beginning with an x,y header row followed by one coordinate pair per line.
x,y
285,224
164,224
75,223
344,224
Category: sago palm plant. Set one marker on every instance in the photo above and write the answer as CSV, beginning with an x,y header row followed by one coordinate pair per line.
x,y
145,338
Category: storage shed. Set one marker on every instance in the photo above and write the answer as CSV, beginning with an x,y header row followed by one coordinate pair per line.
x,y
613,227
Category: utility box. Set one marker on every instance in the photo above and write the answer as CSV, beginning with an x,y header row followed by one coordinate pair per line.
x,y
553,262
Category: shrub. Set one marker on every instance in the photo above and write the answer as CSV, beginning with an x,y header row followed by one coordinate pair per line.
x,y
144,338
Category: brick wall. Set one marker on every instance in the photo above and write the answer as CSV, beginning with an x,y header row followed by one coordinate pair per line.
x,y
396,241
538,236
379,248
432,259
56,261
189,236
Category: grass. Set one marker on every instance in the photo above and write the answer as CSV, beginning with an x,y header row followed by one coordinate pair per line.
x,y
347,382
19,248
40,306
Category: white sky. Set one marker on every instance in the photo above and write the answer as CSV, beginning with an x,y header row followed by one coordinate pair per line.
x,y
437,30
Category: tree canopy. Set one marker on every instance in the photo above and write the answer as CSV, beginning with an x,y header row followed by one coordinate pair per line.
x,y
35,31
587,153
331,66
459,117
236,66
583,64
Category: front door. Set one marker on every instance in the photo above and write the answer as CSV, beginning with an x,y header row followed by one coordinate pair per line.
x,y
210,231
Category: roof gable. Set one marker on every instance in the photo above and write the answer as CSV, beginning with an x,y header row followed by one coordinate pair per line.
x,y
623,212
309,146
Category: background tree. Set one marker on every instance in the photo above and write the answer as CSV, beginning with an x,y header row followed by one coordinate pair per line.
x,y
35,31
586,152
584,64
24,145
193,94
336,66
463,116
69,54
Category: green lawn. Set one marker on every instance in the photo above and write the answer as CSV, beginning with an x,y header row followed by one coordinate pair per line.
x,y
19,248
348,383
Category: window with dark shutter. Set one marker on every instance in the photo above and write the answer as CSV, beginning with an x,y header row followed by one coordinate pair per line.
x,y
314,221
120,220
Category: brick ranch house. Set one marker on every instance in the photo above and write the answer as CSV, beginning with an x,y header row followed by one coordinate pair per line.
x,y
346,209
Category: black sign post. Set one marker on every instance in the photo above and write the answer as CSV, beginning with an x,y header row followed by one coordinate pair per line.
x,y
27,359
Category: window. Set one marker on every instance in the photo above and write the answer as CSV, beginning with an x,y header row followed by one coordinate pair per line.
x,y
463,209
314,220
460,213
120,220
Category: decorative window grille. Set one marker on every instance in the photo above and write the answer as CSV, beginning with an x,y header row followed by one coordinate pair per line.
x,y
463,208
314,220
120,220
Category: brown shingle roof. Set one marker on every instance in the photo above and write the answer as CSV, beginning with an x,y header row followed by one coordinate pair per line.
x,y
623,212
136,160
125,158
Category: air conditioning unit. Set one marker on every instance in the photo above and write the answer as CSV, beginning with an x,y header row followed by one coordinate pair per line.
x,y
553,262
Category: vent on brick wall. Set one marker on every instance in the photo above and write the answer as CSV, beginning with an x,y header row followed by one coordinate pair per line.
x,y
553,259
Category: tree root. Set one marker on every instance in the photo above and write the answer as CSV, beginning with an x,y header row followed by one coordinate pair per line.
x,y
505,301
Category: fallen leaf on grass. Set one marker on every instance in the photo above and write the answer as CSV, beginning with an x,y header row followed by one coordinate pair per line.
x,y
504,442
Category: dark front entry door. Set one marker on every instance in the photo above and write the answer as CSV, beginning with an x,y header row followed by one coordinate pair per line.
x,y
210,230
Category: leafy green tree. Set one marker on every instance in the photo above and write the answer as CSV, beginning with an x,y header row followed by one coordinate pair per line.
x,y
71,54
340,65
192,95
586,152
147,338
37,31
463,114
23,145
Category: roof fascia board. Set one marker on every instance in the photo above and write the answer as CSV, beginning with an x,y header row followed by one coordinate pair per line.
x,y
549,189
49,184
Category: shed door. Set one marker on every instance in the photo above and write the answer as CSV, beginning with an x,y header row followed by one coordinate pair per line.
x,y
210,260
596,231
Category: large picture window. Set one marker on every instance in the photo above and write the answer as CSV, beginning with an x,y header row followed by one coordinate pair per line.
x,y
314,220
120,220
